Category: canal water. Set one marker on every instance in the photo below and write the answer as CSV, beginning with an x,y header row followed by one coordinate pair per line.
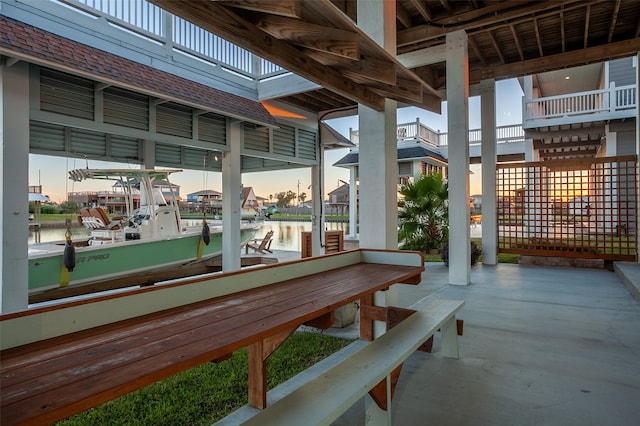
x,y
286,235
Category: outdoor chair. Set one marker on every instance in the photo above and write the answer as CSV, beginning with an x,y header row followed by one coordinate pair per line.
x,y
260,245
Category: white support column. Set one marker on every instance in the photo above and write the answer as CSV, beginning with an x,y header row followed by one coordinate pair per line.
x,y
353,204
489,160
231,190
458,124
14,181
610,185
378,169
378,156
317,199
532,212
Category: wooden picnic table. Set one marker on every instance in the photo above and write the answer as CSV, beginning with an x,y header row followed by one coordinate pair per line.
x,y
47,380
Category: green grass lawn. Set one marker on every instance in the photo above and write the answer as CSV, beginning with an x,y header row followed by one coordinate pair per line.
x,y
58,217
205,394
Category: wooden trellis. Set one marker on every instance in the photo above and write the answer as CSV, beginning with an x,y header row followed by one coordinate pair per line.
x,y
585,208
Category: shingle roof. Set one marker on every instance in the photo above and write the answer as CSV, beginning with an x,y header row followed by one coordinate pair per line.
x,y
404,153
419,151
205,192
35,45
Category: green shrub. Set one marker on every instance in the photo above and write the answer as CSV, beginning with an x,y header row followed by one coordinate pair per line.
x,y
475,253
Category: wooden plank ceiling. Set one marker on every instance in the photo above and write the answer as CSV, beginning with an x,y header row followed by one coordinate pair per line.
x,y
319,41
315,40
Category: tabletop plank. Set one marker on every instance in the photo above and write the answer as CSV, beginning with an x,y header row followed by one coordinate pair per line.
x,y
64,375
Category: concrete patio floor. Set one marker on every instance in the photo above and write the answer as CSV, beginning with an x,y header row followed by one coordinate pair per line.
x,y
541,346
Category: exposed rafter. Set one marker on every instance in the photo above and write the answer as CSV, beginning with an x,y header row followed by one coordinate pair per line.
x,y
484,18
291,35
586,26
538,38
614,19
551,62
562,34
320,41
422,10
496,46
516,39
476,48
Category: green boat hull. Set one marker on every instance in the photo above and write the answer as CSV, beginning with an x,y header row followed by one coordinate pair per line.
x,y
110,261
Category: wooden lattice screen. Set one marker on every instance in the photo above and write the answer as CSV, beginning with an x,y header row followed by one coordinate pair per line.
x,y
586,208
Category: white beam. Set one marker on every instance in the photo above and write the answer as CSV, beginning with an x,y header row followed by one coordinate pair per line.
x,y
378,170
353,203
458,124
317,199
489,159
231,190
14,181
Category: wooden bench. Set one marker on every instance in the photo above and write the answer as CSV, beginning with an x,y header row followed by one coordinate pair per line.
x,y
371,368
60,360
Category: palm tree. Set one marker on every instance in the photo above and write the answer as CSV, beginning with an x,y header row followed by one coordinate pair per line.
x,y
423,218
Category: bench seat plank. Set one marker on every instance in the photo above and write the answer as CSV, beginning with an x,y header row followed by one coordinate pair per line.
x,y
53,379
323,399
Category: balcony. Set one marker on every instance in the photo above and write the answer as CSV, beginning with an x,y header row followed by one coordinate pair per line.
x,y
613,103
146,21
510,138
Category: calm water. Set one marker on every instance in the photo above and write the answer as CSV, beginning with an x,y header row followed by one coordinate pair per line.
x,y
286,235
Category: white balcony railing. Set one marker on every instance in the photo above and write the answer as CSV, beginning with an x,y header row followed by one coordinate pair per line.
x,y
419,132
150,21
594,105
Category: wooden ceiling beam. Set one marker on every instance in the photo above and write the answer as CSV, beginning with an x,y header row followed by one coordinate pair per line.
x,y
223,21
447,6
422,9
516,39
587,18
538,37
524,20
485,19
402,16
365,70
288,8
317,37
561,60
562,32
496,46
476,48
614,19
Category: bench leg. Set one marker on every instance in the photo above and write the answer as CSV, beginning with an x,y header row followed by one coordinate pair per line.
x,y
450,339
374,415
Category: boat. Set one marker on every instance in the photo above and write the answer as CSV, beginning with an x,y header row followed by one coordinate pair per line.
x,y
147,237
